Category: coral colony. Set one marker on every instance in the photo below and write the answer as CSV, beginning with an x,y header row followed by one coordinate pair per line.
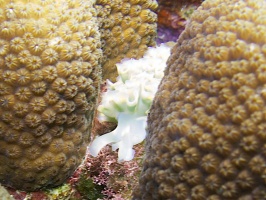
x,y
128,100
207,126
48,89
51,59
128,29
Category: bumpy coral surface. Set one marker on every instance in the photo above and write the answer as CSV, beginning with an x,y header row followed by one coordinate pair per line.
x,y
207,124
49,78
128,28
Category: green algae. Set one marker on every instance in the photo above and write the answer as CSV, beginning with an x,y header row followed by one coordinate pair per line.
x,y
88,189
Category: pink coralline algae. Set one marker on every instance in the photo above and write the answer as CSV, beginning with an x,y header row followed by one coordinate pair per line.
x,y
103,177
118,179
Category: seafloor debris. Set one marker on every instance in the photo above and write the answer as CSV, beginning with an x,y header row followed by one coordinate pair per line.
x,y
173,16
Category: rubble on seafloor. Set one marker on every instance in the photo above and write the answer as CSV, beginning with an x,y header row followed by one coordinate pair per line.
x,y
173,16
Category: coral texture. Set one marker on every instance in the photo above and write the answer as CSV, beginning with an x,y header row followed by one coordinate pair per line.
x,y
127,28
128,101
49,79
207,125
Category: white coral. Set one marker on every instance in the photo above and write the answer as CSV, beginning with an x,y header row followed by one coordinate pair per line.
x,y
128,101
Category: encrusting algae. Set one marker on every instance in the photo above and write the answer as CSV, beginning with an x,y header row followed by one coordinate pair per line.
x,y
207,125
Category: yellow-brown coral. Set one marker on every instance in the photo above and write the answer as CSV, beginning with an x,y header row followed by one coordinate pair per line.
x,y
214,83
128,28
48,89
